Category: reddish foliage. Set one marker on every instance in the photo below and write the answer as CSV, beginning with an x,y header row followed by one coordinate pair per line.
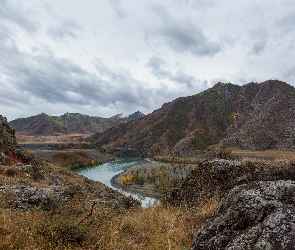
x,y
13,159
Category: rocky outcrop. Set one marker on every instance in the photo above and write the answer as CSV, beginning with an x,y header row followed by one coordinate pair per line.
x,y
7,136
265,117
214,178
259,215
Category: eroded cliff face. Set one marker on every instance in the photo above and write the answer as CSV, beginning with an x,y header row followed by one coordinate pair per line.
x,y
265,117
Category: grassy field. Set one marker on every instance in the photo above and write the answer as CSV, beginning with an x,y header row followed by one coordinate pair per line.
x,y
51,139
279,156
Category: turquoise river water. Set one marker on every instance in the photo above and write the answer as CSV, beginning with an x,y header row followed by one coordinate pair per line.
x,y
104,173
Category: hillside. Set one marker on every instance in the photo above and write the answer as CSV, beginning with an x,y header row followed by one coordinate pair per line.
x,y
44,124
253,116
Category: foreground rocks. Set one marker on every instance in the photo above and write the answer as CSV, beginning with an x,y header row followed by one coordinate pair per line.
x,y
215,178
259,215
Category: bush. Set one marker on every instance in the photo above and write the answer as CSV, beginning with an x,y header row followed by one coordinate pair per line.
x,y
49,204
11,172
126,178
138,179
176,182
66,232
225,153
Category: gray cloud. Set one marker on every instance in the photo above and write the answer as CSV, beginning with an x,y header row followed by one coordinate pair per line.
x,y
156,64
183,36
65,29
202,4
59,80
259,38
19,15
117,7
289,74
112,70
287,22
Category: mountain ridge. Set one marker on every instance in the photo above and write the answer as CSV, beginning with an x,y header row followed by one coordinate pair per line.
x,y
220,114
43,124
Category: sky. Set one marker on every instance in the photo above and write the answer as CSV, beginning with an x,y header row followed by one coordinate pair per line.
x,y
109,57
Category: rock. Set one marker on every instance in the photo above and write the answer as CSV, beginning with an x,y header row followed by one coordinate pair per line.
x,y
213,179
7,136
26,197
259,215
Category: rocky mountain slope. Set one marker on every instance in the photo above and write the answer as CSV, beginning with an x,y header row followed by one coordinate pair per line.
x,y
7,136
253,116
44,124
46,206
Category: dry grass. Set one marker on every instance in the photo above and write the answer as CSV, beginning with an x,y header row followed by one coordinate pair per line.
x,y
267,156
152,228
51,139
178,160
73,224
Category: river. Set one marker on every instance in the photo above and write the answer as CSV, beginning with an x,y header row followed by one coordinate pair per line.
x,y
104,173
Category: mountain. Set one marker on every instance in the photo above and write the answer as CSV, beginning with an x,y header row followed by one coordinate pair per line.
x,y
44,124
253,116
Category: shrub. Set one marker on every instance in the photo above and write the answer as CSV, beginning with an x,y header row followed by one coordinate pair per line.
x,y
11,172
66,232
225,153
126,178
176,182
138,179
49,204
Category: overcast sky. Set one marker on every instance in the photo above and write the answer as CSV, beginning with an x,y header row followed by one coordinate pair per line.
x,y
107,57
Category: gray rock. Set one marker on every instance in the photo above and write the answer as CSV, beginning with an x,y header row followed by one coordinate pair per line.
x,y
259,215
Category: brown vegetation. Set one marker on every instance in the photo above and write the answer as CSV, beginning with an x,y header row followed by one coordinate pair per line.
x,y
75,159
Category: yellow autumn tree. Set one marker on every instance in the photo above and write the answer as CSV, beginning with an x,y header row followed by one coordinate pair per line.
x,y
126,178
234,116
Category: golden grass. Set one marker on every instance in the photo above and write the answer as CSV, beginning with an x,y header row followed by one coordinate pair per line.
x,y
266,156
152,228
51,139
179,160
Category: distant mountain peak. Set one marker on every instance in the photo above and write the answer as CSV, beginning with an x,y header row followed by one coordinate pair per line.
x,y
44,124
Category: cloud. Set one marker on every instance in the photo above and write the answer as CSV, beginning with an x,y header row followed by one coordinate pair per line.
x,y
200,4
19,15
259,38
67,28
156,64
287,22
117,7
182,36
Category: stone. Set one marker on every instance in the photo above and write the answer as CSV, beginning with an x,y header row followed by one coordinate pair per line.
x,y
259,215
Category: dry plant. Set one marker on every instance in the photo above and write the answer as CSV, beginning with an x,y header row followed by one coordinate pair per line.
x,y
156,227
75,228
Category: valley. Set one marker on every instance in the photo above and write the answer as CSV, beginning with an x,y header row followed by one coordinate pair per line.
x,y
222,163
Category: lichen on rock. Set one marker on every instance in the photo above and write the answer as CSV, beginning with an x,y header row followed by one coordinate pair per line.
x,y
259,215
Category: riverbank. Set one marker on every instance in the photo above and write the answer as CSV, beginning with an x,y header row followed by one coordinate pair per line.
x,y
141,190
157,178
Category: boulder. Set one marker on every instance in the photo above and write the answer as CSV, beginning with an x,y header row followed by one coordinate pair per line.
x,y
259,215
215,178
